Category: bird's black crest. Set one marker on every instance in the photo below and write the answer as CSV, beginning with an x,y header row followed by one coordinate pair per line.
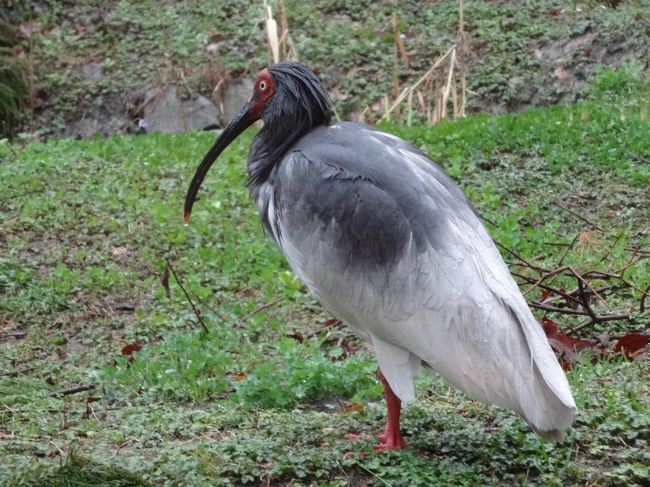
x,y
300,103
298,90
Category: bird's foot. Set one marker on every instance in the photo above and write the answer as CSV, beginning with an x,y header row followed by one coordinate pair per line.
x,y
391,444
391,439
384,436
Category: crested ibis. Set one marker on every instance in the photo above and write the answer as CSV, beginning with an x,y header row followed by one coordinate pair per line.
x,y
391,246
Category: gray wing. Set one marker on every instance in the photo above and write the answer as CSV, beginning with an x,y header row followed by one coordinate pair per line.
x,y
391,245
350,200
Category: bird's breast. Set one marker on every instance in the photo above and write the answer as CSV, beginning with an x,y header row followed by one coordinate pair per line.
x,y
263,198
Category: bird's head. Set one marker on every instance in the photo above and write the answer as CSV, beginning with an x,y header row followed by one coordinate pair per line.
x,y
286,96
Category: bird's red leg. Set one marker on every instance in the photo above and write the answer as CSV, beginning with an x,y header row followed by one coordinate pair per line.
x,y
391,439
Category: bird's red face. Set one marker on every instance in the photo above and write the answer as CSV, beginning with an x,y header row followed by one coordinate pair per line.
x,y
251,112
262,93
299,92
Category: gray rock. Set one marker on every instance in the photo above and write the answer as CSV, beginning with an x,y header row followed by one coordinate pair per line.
x,y
103,123
201,113
167,113
235,94
91,71
516,81
83,128
580,28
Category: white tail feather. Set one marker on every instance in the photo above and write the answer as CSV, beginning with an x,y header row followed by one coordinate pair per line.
x,y
399,366
550,408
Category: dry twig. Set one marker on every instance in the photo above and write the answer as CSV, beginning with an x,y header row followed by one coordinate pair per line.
x,y
579,216
73,390
189,299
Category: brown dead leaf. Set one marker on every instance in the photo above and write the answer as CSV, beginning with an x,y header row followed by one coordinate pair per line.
x,y
632,345
561,73
570,350
296,335
353,408
29,28
128,350
335,93
164,280
550,326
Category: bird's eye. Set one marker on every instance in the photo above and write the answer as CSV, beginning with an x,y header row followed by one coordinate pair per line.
x,y
262,85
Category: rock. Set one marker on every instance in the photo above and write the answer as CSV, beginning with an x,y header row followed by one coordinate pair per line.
x,y
91,71
202,113
580,28
103,123
167,113
83,128
516,81
236,93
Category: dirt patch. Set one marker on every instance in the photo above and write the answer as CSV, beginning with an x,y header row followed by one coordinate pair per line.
x,y
573,62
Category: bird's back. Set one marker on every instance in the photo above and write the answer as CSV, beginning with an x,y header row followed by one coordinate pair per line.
x,y
391,245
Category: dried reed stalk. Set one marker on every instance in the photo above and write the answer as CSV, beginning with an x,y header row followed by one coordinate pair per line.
x,y
281,46
422,79
435,88
272,35
462,42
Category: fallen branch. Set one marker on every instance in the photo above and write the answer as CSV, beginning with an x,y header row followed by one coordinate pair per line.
x,y
591,285
547,275
568,249
74,390
586,283
520,258
643,296
189,299
258,310
559,292
16,373
579,216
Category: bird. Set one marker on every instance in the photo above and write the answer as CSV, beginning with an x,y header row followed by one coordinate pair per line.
x,y
390,245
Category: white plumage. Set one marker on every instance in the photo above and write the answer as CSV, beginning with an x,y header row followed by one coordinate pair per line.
x,y
456,308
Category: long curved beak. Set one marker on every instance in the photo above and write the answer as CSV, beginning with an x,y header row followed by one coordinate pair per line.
x,y
237,125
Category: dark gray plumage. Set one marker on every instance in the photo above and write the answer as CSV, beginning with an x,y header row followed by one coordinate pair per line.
x,y
344,173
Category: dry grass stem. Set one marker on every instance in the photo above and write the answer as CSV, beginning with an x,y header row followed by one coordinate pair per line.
x,y
281,46
445,79
414,86
272,35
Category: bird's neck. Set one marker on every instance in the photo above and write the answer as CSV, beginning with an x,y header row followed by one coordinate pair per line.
x,y
269,148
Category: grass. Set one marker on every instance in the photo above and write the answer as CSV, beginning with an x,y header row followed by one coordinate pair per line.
x,y
86,228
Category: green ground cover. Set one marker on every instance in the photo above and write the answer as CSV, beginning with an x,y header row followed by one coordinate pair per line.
x,y
87,226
